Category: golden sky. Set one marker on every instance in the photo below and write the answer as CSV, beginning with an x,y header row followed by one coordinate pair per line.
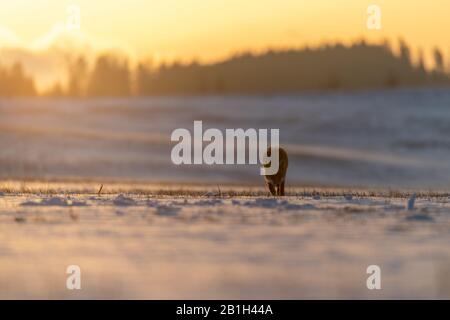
x,y
212,29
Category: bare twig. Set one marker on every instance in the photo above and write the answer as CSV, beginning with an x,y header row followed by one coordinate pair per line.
x,y
100,190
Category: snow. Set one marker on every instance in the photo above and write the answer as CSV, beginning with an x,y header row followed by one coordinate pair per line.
x,y
143,245
122,200
54,201
411,201
396,138
164,210
188,241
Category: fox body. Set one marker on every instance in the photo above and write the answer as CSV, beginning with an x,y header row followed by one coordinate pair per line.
x,y
275,182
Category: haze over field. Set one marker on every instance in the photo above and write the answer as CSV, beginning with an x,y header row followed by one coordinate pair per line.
x,y
381,138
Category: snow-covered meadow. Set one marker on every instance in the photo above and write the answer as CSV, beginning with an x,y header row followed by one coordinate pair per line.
x,y
157,230
199,243
398,138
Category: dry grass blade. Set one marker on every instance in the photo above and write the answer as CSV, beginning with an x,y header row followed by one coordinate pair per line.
x,y
100,190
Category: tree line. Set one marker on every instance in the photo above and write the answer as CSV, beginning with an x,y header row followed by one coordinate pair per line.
x,y
329,67
15,82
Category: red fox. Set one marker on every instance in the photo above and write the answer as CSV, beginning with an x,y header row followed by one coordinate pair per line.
x,y
276,181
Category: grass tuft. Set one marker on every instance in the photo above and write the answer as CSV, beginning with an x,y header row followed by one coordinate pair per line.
x,y
196,190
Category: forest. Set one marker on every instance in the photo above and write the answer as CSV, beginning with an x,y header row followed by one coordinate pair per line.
x,y
329,67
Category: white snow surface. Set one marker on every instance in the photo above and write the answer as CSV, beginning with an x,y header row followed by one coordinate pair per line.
x,y
205,247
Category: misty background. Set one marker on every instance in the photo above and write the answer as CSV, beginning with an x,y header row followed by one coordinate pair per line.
x,y
326,68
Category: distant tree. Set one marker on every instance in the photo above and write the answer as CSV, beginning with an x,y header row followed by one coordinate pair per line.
x,y
144,78
110,77
391,79
421,62
438,61
387,44
77,77
405,53
448,65
14,82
